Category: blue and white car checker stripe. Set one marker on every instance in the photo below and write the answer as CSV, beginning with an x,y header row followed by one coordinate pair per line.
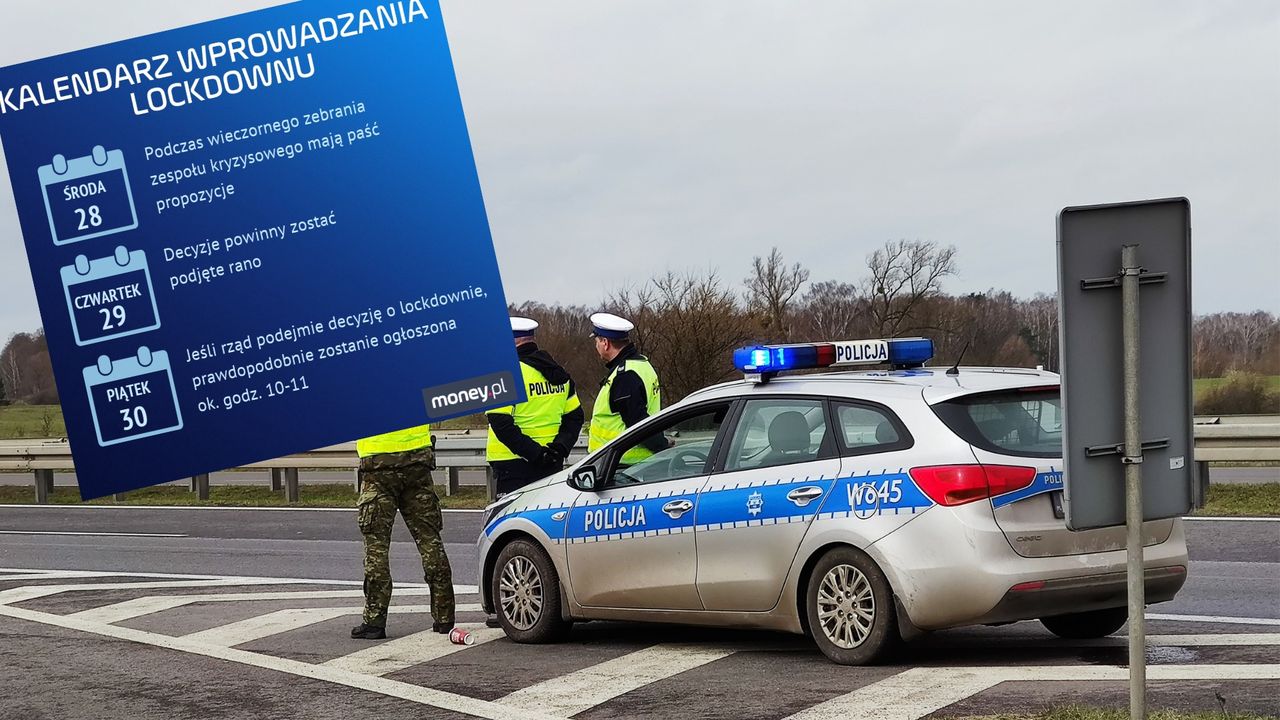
x,y
551,519
766,503
1044,482
623,518
866,496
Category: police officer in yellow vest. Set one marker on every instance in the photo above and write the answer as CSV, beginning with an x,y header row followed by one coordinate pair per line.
x,y
531,440
629,394
395,474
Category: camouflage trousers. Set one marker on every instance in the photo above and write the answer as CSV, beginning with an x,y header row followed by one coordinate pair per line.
x,y
401,481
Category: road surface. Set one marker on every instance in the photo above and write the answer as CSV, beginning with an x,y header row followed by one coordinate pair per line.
x,y
232,613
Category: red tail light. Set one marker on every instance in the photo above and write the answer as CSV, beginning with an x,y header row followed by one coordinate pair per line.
x,y
960,484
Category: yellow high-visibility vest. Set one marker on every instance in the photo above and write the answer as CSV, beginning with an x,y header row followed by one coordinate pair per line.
x,y
607,424
537,417
394,442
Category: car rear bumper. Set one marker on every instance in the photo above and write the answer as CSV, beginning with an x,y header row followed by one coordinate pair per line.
x,y
956,568
1082,594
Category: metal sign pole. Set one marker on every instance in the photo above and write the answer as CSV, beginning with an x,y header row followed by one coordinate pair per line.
x,y
1130,272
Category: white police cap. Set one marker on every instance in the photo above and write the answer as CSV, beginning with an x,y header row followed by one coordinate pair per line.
x,y
608,325
523,326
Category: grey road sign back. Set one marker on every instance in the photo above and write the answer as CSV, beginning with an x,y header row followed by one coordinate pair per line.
x,y
1089,242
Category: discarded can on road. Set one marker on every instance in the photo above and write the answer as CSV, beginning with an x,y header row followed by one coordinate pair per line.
x,y
458,636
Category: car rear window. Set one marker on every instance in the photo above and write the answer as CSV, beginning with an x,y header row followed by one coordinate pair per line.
x,y
1018,422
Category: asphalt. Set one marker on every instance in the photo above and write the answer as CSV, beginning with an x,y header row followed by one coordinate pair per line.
x,y
55,672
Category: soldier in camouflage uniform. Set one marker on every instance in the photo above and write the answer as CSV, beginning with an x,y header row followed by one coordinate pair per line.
x,y
391,481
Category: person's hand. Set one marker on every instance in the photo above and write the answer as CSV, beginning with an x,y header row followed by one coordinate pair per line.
x,y
562,452
548,458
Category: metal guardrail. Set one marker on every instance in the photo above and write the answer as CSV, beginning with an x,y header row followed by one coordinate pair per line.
x,y
456,452
1228,438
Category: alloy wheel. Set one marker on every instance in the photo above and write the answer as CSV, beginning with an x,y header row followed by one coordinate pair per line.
x,y
520,593
846,606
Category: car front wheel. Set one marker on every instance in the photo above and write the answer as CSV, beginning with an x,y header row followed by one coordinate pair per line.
x,y
526,592
1093,624
850,608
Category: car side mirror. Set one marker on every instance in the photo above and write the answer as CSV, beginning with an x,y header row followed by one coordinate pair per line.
x,y
585,479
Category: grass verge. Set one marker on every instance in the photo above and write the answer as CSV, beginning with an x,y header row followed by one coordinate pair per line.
x,y
1078,712
31,421
1203,385
318,495
1262,500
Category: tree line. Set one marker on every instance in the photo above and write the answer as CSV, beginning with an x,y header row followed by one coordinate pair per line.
x,y
689,323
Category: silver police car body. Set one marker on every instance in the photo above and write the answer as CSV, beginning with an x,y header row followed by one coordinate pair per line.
x,y
861,508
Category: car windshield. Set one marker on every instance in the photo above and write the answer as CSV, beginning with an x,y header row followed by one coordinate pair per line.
x,y
1020,422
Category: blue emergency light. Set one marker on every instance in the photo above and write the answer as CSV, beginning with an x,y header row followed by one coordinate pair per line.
x,y
767,360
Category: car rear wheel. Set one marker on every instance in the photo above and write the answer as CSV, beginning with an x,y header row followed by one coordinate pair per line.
x,y
850,608
526,594
1093,624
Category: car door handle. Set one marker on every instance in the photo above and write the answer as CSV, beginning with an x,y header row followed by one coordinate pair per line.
x,y
805,495
676,508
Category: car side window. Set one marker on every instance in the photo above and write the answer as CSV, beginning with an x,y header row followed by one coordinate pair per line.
x,y
680,448
779,431
867,429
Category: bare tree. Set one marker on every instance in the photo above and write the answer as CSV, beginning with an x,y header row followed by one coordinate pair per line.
x,y
26,369
771,288
904,274
688,325
1040,329
11,366
832,310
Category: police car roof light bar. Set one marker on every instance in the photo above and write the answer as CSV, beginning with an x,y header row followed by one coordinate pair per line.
x,y
762,362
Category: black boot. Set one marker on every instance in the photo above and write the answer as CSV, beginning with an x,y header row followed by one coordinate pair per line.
x,y
364,631
442,627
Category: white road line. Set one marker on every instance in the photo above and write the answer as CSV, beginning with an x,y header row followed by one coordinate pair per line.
x,y
405,652
1231,519
31,592
92,534
1209,640
177,576
281,621
128,609
908,695
1215,619
1118,641
391,688
582,690
446,511
917,692
48,576
138,607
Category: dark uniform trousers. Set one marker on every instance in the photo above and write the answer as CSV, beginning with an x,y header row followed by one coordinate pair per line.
x,y
511,475
402,481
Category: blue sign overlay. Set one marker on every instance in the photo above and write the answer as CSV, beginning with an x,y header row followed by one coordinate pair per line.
x,y
110,297
256,236
88,197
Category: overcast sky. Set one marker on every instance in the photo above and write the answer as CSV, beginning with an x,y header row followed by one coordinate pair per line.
x,y
619,139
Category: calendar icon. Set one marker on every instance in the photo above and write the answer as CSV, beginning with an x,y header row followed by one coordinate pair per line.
x,y
88,197
110,297
132,398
